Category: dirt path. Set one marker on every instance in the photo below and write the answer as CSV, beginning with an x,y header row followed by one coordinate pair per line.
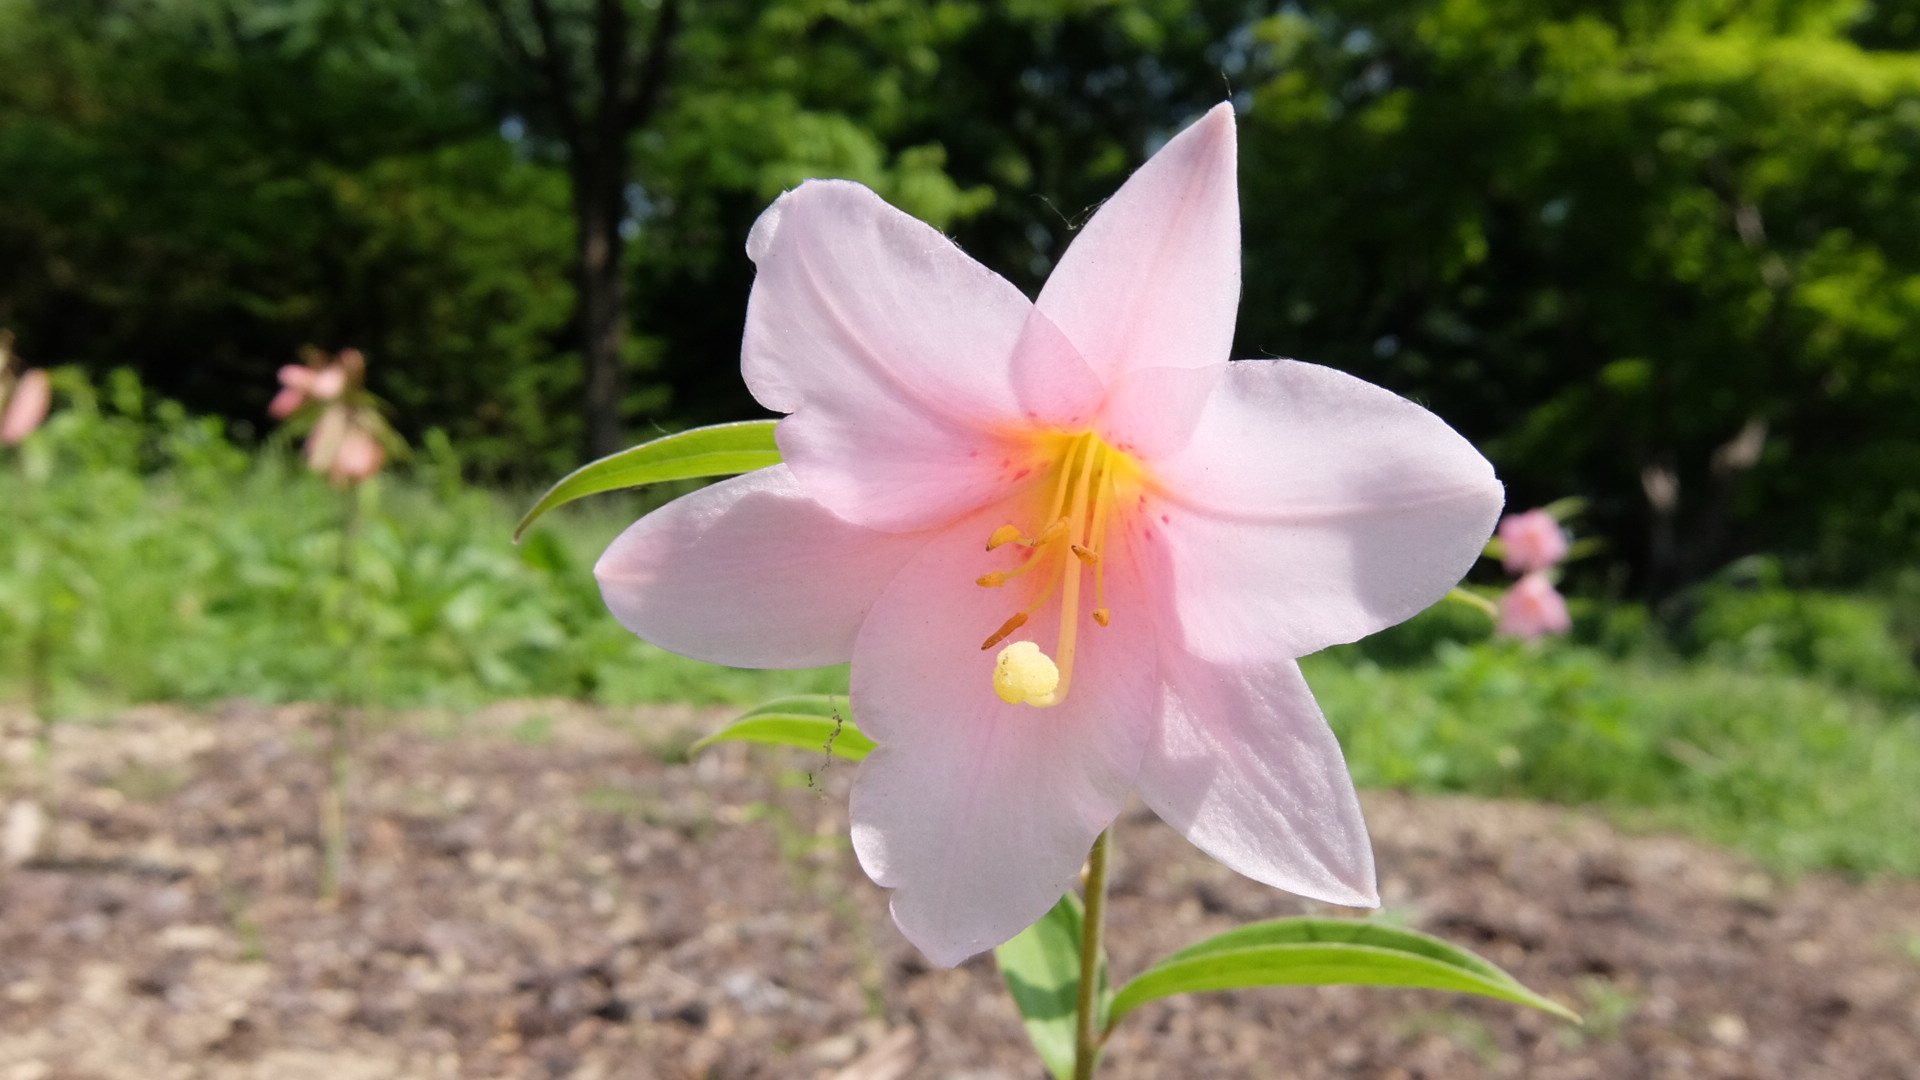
x,y
543,896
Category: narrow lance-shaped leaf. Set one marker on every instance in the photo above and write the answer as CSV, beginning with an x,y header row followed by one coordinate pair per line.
x,y
1042,970
807,721
719,450
1319,952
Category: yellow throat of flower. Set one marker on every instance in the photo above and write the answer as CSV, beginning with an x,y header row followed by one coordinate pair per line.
x,y
1088,478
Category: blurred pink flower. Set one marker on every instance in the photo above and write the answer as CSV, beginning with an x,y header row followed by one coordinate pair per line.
x,y
295,381
1533,607
1144,534
342,445
25,407
1533,541
318,379
358,458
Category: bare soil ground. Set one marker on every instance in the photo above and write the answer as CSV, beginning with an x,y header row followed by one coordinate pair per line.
x,y
547,891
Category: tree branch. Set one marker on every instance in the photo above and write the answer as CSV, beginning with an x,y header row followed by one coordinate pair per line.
x,y
638,108
553,66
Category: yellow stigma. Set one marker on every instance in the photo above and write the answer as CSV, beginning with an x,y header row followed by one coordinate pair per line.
x,y
1023,675
1087,478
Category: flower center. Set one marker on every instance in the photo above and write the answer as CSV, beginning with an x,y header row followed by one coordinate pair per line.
x,y
1071,538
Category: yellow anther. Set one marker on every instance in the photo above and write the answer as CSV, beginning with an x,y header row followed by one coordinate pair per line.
x,y
991,581
1086,555
1006,628
1005,534
1023,675
1103,616
1053,532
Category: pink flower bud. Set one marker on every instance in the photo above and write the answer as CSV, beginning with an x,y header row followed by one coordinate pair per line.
x,y
1533,607
1533,541
26,408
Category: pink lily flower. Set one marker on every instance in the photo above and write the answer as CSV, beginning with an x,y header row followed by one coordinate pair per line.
x,y
358,457
296,382
1533,541
1071,551
26,407
1533,607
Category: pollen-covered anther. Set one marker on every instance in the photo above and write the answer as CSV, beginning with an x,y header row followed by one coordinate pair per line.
x,y
991,581
1006,628
1103,616
1023,675
1005,534
1086,555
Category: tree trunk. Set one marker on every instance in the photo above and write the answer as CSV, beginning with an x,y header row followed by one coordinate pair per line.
x,y
602,303
597,102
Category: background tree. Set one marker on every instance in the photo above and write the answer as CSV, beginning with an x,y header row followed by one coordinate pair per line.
x,y
596,77
1667,255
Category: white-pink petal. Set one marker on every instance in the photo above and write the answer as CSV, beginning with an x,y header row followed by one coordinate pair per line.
x,y
750,572
1311,508
1153,279
891,349
1244,765
1151,413
977,813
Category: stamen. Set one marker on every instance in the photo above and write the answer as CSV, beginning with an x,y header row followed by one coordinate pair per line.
x,y
1084,494
1006,628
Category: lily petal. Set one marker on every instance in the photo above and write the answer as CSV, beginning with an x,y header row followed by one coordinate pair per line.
x,y
1153,279
1151,413
750,572
979,813
1244,765
1311,508
892,351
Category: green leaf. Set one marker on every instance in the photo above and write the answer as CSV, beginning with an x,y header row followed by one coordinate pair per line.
x,y
1322,952
720,450
808,721
1042,970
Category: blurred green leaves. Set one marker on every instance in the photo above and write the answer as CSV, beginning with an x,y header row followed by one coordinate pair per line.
x,y
155,561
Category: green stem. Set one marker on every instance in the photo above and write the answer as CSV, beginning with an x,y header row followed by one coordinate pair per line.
x,y
1087,1036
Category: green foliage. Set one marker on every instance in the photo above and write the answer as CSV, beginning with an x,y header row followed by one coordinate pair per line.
x,y
1041,966
719,450
151,560
1323,952
820,722
1604,238
1746,618
1800,772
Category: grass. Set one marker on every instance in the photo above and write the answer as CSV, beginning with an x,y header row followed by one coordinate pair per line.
x,y
153,560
